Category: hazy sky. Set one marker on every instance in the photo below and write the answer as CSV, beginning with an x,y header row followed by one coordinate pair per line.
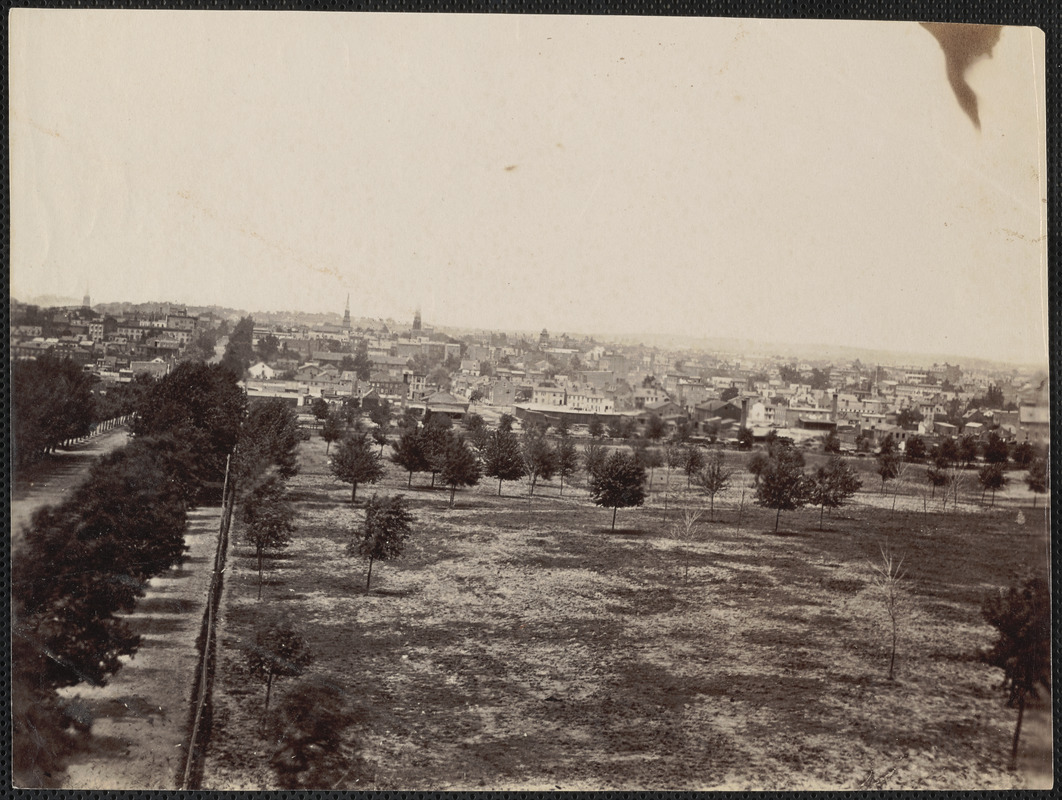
x,y
804,181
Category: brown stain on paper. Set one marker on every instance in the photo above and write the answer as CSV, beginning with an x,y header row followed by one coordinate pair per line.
x,y
964,45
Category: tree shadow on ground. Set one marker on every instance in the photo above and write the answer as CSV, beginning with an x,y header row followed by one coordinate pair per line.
x,y
391,592
782,533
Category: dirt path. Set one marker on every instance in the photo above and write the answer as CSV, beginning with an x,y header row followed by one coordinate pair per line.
x,y
46,482
141,717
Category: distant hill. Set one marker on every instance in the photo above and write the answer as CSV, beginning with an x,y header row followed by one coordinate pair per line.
x,y
51,301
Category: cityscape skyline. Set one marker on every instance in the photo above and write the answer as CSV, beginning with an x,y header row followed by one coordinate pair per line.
x,y
752,179
813,351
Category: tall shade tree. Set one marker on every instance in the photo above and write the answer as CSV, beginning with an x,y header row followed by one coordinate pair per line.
x,y
783,485
203,407
502,458
89,558
832,484
269,439
409,453
620,483
355,462
278,652
1021,616
460,467
51,402
239,352
714,477
388,523
269,520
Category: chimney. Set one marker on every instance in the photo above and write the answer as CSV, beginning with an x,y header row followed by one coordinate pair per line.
x,y
833,408
744,412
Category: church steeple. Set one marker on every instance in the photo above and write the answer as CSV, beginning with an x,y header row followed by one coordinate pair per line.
x,y
346,314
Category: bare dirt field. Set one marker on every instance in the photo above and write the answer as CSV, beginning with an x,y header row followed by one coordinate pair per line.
x,y
510,649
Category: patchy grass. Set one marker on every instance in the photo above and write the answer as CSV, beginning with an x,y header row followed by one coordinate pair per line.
x,y
540,650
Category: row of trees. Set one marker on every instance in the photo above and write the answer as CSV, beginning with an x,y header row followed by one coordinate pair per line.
x,y
87,560
781,483
54,400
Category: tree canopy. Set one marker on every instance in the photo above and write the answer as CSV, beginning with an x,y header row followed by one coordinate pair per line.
x,y
51,401
502,457
782,483
618,483
355,462
388,523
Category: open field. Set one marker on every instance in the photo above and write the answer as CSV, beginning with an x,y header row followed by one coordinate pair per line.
x,y
539,650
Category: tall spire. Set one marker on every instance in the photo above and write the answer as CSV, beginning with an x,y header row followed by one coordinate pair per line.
x,y
346,314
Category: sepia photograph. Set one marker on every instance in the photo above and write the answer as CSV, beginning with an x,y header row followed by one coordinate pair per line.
x,y
687,379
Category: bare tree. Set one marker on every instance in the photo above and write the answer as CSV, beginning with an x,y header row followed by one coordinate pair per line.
x,y
686,532
887,577
714,477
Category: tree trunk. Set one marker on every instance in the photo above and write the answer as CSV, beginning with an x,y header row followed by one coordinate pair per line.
x,y
368,578
453,489
711,505
777,514
892,655
614,510
269,689
259,573
499,487
432,480
1017,732
409,481
328,444
822,510
354,492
